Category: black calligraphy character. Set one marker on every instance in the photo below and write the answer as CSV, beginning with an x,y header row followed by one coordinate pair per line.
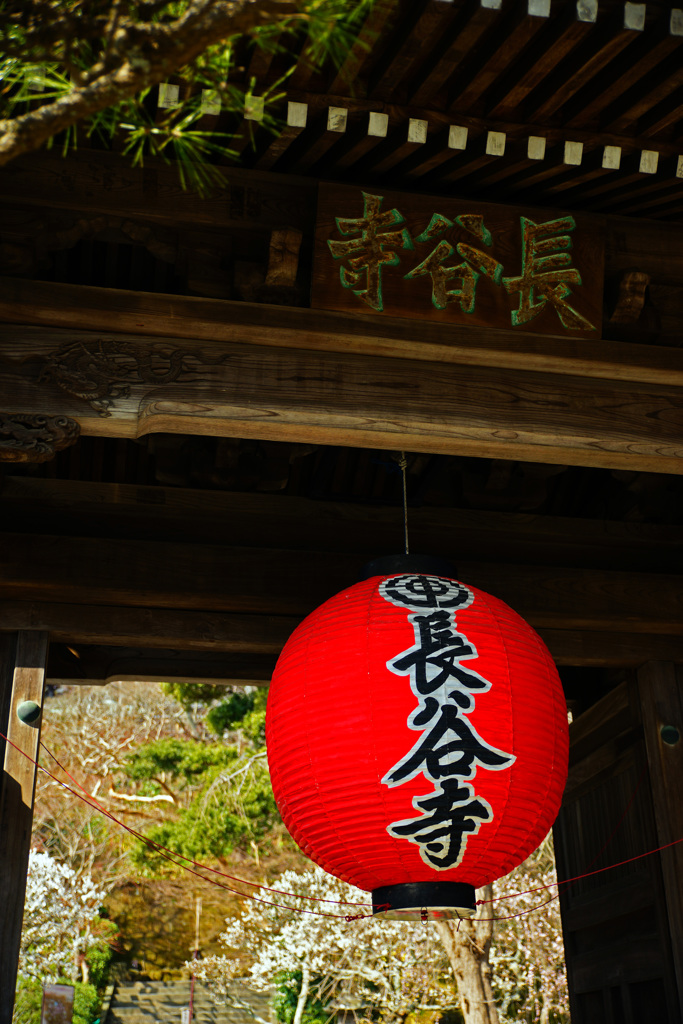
x,y
434,660
450,748
449,816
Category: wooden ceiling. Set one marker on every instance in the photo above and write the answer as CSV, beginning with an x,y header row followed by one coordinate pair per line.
x,y
561,103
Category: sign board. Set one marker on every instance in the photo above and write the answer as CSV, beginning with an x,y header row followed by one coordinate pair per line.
x,y
458,263
58,1004
185,1015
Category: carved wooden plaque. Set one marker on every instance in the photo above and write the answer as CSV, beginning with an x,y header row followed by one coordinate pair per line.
x,y
456,262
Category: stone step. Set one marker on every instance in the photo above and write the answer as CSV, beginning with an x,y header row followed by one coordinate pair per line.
x,y
148,1002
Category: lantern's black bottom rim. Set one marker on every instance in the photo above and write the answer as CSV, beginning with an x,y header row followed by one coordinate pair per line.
x,y
414,901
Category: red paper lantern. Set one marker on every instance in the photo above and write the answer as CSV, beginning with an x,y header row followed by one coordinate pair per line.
x,y
417,740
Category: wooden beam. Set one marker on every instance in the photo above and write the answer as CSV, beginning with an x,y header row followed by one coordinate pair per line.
x,y
16,804
8,646
151,628
128,386
182,630
105,182
590,649
87,665
219,578
85,508
145,314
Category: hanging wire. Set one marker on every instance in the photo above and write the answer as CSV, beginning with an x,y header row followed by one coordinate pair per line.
x,y
403,463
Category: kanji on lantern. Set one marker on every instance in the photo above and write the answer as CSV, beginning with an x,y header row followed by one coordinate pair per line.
x,y
449,751
417,740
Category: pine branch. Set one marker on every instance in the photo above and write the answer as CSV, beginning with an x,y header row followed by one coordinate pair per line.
x,y
160,49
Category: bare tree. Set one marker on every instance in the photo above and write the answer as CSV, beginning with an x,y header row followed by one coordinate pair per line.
x,y
91,731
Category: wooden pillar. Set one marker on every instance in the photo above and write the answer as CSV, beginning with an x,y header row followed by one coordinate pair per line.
x,y
661,701
23,659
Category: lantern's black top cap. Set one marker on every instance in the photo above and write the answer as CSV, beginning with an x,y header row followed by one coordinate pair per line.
x,y
425,565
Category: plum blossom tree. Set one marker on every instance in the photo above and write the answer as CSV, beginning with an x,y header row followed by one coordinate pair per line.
x,y
507,963
372,968
61,913
527,957
468,944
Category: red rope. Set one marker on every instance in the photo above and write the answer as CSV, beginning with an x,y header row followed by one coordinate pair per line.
x,y
587,874
204,867
170,854
522,913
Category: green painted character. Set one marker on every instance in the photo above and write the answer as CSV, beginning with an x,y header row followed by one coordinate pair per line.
x,y
443,272
546,273
373,249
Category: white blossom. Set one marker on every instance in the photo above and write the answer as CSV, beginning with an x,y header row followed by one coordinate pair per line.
x,y
370,966
527,956
60,910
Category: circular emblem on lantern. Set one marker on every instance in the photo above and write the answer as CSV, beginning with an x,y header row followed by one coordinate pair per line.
x,y
417,740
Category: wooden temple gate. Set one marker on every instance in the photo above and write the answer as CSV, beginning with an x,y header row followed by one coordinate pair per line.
x,y
199,402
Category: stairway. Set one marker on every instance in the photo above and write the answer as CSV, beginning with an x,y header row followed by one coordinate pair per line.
x,y
148,1002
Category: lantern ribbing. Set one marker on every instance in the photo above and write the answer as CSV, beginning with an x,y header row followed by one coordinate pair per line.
x,y
417,735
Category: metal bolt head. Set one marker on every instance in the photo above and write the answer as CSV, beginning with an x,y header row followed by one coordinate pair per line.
x,y
670,735
29,712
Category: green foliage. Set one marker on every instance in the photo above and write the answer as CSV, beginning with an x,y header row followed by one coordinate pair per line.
x,y
185,760
287,988
246,711
98,959
29,999
27,1002
54,48
86,1004
230,712
229,799
188,694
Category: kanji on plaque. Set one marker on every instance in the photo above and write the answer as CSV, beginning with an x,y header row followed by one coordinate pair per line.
x,y
375,247
457,262
465,273
546,273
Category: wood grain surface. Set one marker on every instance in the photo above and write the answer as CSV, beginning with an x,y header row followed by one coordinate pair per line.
x,y
221,578
82,508
50,304
395,229
128,385
27,669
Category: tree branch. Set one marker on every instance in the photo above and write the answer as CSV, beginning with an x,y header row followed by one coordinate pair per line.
x,y
158,53
141,799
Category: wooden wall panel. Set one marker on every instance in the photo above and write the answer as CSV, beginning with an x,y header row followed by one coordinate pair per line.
x,y
619,950
661,701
